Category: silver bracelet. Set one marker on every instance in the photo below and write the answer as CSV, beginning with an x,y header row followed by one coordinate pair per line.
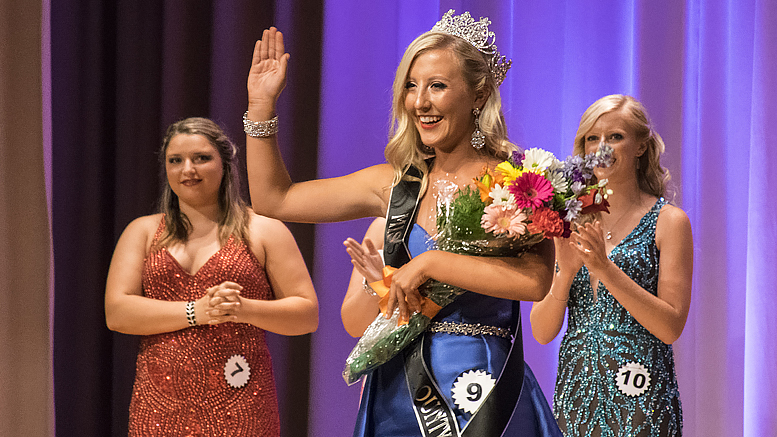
x,y
260,129
367,288
190,313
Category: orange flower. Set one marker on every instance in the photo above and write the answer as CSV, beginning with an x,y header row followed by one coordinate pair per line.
x,y
485,182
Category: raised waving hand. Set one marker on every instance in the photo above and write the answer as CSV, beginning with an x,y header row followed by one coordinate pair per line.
x,y
267,76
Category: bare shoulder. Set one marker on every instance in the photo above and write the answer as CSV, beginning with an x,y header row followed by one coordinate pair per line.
x,y
672,225
265,233
261,226
377,225
139,234
383,172
378,176
144,226
672,216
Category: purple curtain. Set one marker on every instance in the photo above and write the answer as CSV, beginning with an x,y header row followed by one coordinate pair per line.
x,y
705,69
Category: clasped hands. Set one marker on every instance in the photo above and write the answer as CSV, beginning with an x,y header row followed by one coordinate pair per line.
x,y
221,303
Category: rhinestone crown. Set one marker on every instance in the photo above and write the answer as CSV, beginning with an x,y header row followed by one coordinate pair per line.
x,y
477,34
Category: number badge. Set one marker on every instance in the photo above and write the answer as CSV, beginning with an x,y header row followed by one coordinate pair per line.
x,y
237,371
471,389
633,379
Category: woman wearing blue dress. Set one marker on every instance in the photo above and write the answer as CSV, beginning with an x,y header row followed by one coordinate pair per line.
x,y
625,279
447,126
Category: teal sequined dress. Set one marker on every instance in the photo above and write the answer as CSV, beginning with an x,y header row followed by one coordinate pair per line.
x,y
615,378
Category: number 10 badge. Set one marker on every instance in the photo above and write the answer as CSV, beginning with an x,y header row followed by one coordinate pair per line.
x,y
633,379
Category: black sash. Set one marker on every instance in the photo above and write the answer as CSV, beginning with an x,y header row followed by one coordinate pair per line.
x,y
403,205
434,415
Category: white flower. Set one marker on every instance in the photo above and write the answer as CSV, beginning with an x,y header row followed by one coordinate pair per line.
x,y
577,188
558,181
502,196
538,160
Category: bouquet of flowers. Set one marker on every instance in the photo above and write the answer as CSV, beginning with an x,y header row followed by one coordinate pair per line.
x,y
525,199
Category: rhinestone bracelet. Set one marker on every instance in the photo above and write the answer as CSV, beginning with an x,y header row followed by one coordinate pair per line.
x,y
468,329
367,288
260,129
190,313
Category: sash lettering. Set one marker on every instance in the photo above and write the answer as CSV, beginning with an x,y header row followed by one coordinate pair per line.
x,y
433,414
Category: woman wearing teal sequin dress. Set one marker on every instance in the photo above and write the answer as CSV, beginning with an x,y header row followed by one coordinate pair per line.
x,y
626,280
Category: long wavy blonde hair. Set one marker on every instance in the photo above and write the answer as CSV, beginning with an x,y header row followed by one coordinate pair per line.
x,y
404,147
233,212
651,176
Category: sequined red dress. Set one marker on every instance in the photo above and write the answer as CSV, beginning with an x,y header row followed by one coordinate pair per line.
x,y
181,381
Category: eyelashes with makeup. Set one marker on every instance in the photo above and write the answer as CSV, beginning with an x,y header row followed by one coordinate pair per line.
x,y
437,85
197,159
611,138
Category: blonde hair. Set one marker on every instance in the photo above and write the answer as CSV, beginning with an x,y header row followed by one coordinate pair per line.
x,y
651,176
233,213
404,147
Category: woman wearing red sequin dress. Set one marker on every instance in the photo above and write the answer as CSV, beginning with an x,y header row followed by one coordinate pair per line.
x,y
201,282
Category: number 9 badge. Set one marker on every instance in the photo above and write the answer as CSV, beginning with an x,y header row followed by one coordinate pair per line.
x,y
471,389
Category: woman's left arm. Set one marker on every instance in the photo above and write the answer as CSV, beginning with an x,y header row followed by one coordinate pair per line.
x,y
527,277
665,313
294,311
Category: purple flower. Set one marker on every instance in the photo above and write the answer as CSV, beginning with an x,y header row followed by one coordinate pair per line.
x,y
517,157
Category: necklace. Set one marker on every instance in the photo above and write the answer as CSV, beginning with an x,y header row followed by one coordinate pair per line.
x,y
608,235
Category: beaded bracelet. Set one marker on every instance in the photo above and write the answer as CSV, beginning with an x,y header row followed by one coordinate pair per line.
x,y
260,129
190,313
367,288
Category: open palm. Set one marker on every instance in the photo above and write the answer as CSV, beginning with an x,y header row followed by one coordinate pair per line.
x,y
267,76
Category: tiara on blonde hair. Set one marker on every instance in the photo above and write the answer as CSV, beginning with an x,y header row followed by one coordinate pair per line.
x,y
477,34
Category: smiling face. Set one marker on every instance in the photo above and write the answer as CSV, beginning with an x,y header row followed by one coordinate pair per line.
x,y
194,169
439,101
614,129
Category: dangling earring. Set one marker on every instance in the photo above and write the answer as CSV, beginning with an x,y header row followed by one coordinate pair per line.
x,y
426,149
478,139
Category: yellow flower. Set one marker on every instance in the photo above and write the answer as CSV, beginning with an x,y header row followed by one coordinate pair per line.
x,y
509,172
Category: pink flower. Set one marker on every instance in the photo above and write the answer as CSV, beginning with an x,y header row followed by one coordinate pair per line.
x,y
499,219
531,190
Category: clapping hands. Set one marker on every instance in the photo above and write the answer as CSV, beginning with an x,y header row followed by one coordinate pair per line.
x,y
365,258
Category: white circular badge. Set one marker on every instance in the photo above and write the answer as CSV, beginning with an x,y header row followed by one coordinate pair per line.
x,y
633,379
471,389
236,371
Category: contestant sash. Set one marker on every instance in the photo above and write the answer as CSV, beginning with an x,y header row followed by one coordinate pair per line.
x,y
400,217
435,417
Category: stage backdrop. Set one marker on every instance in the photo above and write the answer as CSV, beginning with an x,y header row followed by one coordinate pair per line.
x,y
706,72
122,71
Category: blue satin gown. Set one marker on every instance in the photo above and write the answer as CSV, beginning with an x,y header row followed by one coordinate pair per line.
x,y
386,409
